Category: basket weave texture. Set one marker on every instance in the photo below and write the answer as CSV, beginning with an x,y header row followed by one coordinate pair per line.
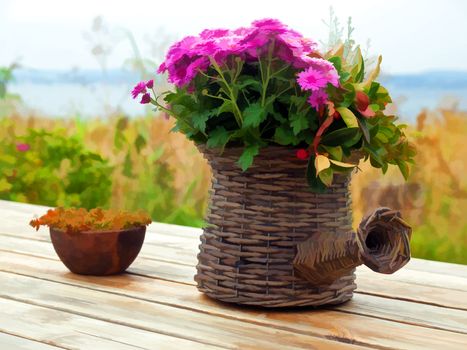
x,y
255,222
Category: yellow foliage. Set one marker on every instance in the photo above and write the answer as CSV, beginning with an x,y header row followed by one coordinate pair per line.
x,y
434,200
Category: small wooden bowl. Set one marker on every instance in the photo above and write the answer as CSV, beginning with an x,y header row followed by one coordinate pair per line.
x,y
98,253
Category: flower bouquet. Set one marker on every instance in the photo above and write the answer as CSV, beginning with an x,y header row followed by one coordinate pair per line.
x,y
268,109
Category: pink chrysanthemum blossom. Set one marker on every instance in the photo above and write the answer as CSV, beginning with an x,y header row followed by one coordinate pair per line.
x,y
139,88
246,42
186,58
214,33
312,79
150,84
146,98
327,68
22,147
318,98
292,48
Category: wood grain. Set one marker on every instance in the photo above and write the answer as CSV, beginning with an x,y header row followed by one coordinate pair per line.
x,y
9,341
369,283
71,331
154,317
332,324
157,306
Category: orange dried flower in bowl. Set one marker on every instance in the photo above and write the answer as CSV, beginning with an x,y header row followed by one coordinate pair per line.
x,y
95,242
80,219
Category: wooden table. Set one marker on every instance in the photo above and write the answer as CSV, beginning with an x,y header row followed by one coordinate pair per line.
x,y
157,306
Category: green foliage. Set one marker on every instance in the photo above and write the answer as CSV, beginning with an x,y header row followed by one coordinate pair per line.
x,y
50,169
128,164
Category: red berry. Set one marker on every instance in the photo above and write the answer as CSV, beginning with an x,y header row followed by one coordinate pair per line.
x,y
302,154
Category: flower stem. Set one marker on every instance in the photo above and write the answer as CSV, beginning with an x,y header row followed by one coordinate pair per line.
x,y
236,111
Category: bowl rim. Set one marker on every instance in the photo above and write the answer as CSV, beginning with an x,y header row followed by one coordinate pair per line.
x,y
93,232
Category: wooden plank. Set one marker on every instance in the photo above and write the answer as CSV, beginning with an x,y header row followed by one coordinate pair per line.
x,y
177,252
19,214
23,212
438,267
149,316
9,341
331,324
423,278
369,283
70,331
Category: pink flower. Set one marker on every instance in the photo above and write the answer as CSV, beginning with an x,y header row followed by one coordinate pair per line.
x,y
318,98
162,68
312,79
291,47
318,74
189,56
270,24
327,68
214,33
139,88
150,84
22,147
146,98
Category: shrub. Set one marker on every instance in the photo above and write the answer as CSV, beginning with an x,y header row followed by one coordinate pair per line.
x,y
50,169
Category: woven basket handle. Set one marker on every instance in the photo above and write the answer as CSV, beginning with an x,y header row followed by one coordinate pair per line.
x,y
381,243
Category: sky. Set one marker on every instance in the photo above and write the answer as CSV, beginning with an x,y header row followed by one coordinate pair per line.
x,y
413,36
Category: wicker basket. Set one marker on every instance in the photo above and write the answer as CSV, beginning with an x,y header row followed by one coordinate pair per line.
x,y
250,250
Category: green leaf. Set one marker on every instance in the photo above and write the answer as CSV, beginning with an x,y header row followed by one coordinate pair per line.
x,y
348,117
298,101
364,128
341,137
337,62
384,168
299,122
246,159
349,95
381,137
316,185
178,110
374,107
253,115
360,67
254,83
326,176
199,120
218,138
335,152
226,107
285,136
373,89
404,168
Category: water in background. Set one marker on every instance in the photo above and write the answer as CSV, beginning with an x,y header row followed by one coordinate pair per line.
x,y
90,96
